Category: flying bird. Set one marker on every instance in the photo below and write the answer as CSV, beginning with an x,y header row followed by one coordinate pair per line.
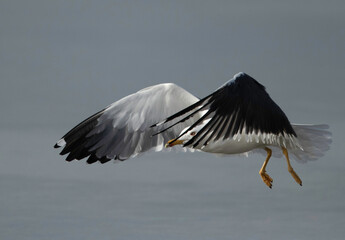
x,y
238,118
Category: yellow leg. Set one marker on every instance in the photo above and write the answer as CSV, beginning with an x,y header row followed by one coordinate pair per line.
x,y
290,169
265,177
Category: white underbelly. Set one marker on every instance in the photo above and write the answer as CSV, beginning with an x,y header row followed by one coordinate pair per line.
x,y
231,146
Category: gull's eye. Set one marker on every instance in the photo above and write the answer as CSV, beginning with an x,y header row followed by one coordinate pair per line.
x,y
192,133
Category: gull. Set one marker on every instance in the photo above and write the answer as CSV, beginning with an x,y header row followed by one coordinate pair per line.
x,y
237,118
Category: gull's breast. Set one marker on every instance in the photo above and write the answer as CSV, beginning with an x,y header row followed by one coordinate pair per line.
x,y
239,144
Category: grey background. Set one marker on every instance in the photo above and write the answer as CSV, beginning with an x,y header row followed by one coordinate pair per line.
x,y
61,61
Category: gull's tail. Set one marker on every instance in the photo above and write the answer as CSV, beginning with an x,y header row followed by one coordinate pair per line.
x,y
314,139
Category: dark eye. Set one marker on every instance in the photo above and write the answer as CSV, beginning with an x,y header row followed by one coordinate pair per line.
x,y
193,133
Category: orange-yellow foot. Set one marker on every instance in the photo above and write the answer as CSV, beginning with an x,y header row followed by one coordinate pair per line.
x,y
295,176
266,178
290,169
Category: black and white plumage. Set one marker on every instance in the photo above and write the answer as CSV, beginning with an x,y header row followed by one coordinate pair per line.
x,y
239,117
241,107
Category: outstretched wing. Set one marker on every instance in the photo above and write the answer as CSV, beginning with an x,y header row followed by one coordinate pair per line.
x,y
240,106
122,130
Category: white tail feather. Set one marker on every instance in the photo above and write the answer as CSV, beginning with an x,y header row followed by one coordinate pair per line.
x,y
314,139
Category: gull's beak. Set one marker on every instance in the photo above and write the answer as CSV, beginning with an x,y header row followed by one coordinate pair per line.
x,y
173,142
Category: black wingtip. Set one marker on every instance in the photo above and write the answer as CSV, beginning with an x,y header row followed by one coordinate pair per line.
x,y
56,145
104,159
92,159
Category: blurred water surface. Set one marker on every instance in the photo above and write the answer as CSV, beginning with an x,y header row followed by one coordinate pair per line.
x,y
163,196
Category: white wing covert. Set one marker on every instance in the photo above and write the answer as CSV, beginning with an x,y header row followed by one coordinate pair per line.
x,y
122,130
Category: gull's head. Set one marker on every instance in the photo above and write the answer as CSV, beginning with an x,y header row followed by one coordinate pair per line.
x,y
185,138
